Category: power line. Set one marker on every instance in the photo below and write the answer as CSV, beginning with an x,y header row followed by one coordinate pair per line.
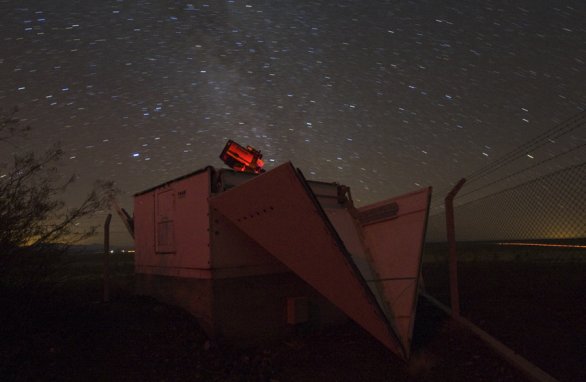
x,y
557,131
523,170
532,181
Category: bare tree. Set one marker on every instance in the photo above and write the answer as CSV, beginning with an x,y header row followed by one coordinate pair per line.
x,y
10,126
35,223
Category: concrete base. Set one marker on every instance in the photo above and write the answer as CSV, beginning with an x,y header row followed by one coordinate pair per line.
x,y
245,310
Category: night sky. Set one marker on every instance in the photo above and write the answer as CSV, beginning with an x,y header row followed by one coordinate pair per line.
x,y
383,96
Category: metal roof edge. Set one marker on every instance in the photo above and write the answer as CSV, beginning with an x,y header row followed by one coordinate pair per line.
x,y
175,180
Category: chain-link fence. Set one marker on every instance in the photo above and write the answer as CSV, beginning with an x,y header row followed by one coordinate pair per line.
x,y
520,228
549,207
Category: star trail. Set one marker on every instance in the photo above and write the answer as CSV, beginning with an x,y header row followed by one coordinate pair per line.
x,y
384,96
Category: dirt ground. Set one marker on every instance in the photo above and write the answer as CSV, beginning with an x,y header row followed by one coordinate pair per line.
x,y
73,336
69,334
536,309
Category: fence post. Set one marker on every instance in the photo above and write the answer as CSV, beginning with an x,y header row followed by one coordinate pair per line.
x,y
453,257
107,258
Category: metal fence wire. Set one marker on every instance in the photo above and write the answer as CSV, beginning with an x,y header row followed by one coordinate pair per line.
x,y
518,267
521,197
549,207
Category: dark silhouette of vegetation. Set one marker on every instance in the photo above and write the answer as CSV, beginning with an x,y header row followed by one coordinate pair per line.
x,y
36,226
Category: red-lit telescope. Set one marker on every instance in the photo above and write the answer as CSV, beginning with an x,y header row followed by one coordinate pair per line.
x,y
243,159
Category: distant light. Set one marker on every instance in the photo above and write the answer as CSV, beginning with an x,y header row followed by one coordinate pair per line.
x,y
530,156
135,155
543,245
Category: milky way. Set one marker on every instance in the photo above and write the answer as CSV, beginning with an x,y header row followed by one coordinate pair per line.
x,y
384,96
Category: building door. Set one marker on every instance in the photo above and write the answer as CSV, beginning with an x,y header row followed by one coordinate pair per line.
x,y
165,230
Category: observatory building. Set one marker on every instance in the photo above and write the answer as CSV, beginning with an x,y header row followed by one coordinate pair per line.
x,y
253,255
